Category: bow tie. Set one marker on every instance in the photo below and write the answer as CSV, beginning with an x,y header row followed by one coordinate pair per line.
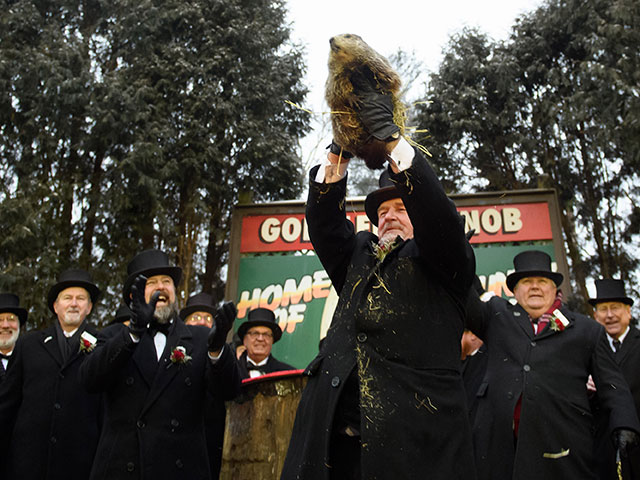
x,y
156,327
253,366
5,357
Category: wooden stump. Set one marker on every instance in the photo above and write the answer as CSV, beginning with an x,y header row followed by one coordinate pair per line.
x,y
258,427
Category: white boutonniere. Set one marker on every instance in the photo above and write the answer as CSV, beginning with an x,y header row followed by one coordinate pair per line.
x,y
179,356
87,342
558,321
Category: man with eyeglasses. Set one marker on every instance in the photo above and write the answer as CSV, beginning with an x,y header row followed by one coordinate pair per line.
x,y
200,310
258,335
612,309
12,317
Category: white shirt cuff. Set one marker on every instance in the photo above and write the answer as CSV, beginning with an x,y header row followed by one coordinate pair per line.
x,y
216,358
403,154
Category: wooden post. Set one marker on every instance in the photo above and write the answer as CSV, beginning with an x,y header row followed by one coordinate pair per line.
x,y
258,427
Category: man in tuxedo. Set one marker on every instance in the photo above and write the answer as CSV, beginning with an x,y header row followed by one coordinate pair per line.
x,y
200,310
155,374
12,318
49,425
612,309
258,335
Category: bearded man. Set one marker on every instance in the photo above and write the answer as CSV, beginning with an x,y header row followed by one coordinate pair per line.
x,y
155,374
12,318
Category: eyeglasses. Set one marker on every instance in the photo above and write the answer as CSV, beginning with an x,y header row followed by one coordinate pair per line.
x,y
615,308
9,318
206,318
260,334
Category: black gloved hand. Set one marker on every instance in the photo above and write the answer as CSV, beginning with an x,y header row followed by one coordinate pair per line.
x,y
225,315
338,150
376,112
624,439
141,311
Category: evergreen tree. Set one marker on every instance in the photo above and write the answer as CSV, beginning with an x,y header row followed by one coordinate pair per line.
x,y
130,125
555,106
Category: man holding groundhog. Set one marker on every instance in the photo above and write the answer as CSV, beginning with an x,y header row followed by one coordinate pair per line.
x,y
385,398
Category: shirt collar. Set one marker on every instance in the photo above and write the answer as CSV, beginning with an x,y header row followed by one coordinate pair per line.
x,y
263,362
620,338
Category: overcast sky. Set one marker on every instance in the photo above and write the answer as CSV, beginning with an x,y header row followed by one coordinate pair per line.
x,y
418,26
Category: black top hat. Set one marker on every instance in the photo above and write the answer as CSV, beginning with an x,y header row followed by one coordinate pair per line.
x,y
387,191
74,277
610,290
10,303
122,315
261,317
149,263
200,302
532,263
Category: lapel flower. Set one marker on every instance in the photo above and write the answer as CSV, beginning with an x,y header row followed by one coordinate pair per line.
x,y
87,342
558,321
381,251
179,356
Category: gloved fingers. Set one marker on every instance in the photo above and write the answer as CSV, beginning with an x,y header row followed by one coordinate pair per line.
x,y
154,300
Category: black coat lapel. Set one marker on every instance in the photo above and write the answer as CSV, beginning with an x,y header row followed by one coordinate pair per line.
x,y
632,337
50,344
522,319
179,336
145,358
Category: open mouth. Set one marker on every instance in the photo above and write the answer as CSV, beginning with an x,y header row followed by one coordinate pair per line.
x,y
163,298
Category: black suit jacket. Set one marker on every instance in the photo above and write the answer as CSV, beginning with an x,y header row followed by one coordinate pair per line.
x,y
272,365
154,423
397,325
549,372
628,359
49,425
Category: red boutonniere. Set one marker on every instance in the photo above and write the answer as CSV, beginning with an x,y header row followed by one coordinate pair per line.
x,y
179,356
87,342
558,321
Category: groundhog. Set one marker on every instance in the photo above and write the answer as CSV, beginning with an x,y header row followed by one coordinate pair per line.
x,y
353,62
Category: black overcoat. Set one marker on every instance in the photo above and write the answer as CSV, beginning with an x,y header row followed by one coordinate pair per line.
x,y
272,365
628,359
154,422
550,372
399,323
49,425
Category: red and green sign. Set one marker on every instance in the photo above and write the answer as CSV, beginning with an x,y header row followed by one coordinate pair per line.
x,y
273,265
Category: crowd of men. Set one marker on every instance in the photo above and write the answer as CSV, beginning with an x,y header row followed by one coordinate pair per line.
x,y
142,398
418,377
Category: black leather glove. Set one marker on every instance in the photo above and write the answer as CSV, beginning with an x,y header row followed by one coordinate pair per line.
x,y
338,150
376,112
141,311
624,439
225,315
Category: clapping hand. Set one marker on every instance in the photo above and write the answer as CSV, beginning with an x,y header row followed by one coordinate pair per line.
x,y
225,315
141,311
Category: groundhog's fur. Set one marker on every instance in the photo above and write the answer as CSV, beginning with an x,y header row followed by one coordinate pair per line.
x,y
351,61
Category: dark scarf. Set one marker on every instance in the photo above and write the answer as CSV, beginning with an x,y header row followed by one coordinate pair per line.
x,y
68,346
